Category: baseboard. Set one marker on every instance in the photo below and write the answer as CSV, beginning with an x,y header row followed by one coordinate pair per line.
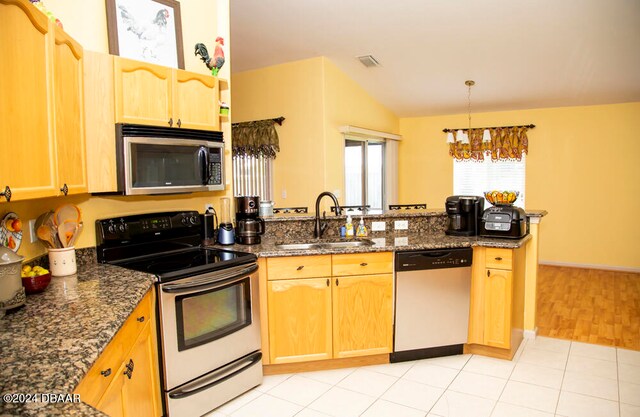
x,y
592,266
530,334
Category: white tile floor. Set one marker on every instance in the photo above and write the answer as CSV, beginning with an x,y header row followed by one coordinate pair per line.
x,y
548,377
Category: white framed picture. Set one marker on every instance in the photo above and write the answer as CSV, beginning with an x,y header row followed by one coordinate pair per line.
x,y
146,30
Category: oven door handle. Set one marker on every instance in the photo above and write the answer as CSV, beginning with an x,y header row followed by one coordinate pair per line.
x,y
216,377
210,281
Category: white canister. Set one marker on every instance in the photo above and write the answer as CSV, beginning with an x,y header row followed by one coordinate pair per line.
x,y
266,208
62,262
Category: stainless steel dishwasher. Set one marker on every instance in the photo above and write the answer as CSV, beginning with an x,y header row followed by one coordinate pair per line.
x,y
432,303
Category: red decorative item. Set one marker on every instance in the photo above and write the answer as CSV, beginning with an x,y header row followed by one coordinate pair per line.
x,y
37,284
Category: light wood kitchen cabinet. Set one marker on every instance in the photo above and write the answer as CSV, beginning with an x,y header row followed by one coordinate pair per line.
x,y
68,94
314,314
41,125
362,315
496,319
299,320
124,380
152,94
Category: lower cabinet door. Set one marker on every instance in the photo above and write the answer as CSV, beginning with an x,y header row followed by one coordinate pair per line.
x,y
362,315
139,391
299,320
497,308
111,402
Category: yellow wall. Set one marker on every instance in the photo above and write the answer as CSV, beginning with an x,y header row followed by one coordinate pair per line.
x,y
203,20
347,103
86,22
316,98
582,167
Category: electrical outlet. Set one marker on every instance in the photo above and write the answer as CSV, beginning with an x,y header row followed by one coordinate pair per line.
x,y
401,224
207,207
401,241
32,231
284,193
378,226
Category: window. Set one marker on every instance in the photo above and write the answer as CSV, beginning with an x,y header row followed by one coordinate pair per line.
x,y
253,175
364,170
476,177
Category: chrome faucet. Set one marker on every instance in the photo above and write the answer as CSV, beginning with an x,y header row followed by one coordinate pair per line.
x,y
321,226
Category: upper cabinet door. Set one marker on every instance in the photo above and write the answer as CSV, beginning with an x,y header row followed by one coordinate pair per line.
x,y
143,93
69,114
28,164
195,100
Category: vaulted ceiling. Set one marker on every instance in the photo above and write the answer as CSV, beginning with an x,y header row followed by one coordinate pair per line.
x,y
521,54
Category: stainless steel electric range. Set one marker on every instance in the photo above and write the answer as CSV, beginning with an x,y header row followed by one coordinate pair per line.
x,y
209,324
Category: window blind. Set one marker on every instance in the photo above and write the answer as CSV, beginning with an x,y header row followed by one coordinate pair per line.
x,y
476,177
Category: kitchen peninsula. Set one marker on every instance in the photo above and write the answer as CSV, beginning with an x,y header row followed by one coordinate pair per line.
x,y
49,344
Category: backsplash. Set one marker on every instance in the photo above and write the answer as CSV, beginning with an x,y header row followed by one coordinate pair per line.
x,y
286,229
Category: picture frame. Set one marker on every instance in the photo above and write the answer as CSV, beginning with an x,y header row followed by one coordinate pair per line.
x,y
146,30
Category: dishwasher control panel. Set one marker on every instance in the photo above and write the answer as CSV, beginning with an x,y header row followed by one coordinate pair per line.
x,y
433,259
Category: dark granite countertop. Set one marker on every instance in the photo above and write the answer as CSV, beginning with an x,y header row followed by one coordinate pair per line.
x,y
49,344
383,242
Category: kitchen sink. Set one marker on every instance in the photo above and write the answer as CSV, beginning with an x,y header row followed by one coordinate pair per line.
x,y
348,243
325,244
298,246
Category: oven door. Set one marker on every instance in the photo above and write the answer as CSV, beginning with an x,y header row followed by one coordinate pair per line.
x,y
208,321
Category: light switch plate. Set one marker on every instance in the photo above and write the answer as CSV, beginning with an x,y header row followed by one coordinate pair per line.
x,y
378,226
401,224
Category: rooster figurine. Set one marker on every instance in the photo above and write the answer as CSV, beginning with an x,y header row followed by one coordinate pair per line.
x,y
215,63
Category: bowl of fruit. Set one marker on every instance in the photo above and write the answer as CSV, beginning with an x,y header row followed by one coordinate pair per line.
x,y
501,198
35,279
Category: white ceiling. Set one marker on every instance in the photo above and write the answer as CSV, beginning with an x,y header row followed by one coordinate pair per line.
x,y
521,53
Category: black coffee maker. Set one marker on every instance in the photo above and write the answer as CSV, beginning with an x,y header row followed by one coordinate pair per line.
x,y
464,213
249,226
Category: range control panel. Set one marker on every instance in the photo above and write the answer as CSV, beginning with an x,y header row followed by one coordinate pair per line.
x,y
144,225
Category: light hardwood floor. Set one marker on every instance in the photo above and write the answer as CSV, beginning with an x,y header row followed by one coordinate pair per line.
x,y
589,305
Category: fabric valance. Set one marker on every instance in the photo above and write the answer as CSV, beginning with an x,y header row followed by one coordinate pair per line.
x,y
257,138
500,143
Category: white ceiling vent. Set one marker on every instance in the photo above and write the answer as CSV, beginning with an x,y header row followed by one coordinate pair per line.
x,y
368,61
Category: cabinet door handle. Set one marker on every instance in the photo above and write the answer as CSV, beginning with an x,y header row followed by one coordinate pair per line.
x,y
363,264
328,282
7,193
498,258
179,123
129,371
106,372
65,189
488,273
299,268
140,319
170,121
337,282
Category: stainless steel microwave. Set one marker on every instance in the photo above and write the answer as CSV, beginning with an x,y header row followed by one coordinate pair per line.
x,y
163,160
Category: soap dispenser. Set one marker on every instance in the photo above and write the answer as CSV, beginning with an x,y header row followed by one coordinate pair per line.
x,y
349,226
361,231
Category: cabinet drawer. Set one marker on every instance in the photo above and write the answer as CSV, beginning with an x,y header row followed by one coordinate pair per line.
x,y
100,375
298,267
132,327
499,258
362,263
